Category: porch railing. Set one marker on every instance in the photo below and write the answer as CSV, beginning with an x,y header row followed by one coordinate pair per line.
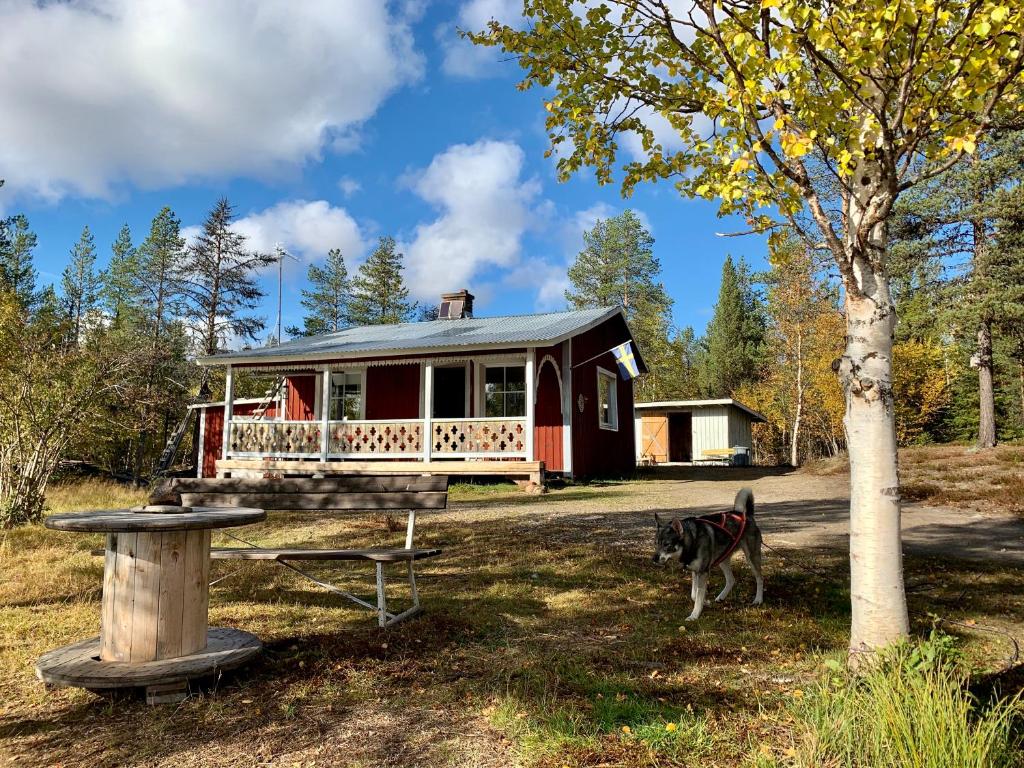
x,y
387,438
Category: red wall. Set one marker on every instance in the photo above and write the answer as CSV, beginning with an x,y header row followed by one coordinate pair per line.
x,y
597,451
213,439
393,392
301,402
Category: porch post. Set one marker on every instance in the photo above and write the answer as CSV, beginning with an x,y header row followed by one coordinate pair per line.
x,y
229,407
325,412
531,393
428,410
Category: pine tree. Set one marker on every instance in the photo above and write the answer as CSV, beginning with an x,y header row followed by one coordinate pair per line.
x,y
327,298
120,277
17,274
81,285
379,294
617,267
735,336
219,283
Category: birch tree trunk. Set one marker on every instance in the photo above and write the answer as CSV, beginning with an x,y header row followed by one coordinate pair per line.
x,y
794,458
878,600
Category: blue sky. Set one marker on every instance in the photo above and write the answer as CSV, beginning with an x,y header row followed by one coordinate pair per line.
x,y
327,124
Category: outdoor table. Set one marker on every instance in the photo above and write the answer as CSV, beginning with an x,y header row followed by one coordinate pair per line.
x,y
153,629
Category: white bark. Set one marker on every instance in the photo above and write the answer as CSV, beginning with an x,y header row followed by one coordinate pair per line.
x,y
879,606
794,458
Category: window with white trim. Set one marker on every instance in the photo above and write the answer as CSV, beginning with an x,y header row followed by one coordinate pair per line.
x,y
607,400
346,396
505,390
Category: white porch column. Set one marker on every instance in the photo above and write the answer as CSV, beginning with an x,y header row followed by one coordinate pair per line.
x,y
428,410
531,394
567,406
325,413
229,407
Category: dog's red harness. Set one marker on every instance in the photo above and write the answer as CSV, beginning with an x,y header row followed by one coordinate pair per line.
x,y
720,525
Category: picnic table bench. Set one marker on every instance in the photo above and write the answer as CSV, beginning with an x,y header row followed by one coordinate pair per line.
x,y
413,493
717,455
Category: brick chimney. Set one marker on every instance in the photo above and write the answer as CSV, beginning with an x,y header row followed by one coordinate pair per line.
x,y
456,306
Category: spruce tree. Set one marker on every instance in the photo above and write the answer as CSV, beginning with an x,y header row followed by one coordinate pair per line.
x,y
17,274
120,277
327,298
617,267
735,336
219,283
81,285
379,294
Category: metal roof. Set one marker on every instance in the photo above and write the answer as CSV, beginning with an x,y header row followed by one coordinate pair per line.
x,y
471,333
670,405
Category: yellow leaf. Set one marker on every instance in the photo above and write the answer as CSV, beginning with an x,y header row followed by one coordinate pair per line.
x,y
770,4
999,13
670,727
982,28
969,146
626,729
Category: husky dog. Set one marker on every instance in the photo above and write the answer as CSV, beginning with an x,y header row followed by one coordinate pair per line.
x,y
699,543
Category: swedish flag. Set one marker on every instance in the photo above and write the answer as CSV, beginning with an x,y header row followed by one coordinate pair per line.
x,y
628,368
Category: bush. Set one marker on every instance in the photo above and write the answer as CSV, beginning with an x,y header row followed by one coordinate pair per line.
x,y
910,709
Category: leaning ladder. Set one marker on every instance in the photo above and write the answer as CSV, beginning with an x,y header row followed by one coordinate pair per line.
x,y
268,397
174,441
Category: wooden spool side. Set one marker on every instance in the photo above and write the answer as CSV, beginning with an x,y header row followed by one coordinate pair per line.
x,y
155,595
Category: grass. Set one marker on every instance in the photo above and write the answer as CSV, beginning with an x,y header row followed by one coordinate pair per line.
x,y
953,476
548,641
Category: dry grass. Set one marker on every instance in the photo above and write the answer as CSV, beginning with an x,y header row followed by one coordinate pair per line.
x,y
953,476
548,640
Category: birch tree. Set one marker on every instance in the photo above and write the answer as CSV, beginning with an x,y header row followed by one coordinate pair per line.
x,y
773,106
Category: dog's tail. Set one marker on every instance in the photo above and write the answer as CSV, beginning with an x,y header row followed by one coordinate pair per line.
x,y
744,503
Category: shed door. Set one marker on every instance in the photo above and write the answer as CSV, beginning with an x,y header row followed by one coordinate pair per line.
x,y
654,438
680,437
547,432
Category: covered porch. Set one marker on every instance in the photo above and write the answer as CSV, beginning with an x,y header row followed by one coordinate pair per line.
x,y
339,417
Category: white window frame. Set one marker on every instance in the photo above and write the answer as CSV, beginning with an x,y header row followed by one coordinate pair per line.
x,y
613,406
361,373
482,386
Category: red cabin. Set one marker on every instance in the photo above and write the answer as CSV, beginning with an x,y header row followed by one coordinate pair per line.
x,y
517,396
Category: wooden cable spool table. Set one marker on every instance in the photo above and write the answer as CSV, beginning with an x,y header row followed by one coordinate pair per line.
x,y
154,629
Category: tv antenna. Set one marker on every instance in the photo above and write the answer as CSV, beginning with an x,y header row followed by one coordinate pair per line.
x,y
281,255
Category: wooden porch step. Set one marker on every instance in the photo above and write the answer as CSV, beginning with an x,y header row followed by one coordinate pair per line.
x,y
377,555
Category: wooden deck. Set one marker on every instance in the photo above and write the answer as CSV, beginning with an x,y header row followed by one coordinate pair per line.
x,y
530,471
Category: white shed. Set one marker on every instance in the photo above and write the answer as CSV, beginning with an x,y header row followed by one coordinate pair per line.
x,y
684,431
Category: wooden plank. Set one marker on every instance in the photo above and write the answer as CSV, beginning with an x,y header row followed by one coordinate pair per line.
x,y
120,646
109,591
196,592
145,605
172,595
122,520
337,484
382,555
454,467
310,501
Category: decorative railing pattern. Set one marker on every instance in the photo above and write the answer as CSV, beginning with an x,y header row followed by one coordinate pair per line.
x,y
496,436
292,438
388,438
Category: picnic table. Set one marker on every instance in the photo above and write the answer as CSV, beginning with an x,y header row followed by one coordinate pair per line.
x,y
154,629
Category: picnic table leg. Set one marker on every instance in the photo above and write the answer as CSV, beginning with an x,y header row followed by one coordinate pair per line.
x,y
412,586
382,604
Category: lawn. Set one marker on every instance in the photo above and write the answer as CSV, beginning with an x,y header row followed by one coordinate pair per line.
x,y
549,639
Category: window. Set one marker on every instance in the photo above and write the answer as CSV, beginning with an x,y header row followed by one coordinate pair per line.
x,y
346,396
505,390
607,401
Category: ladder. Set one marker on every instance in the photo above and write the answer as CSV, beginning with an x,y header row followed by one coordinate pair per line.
x,y
174,441
268,397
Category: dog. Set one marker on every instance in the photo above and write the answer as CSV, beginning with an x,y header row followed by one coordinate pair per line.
x,y
699,542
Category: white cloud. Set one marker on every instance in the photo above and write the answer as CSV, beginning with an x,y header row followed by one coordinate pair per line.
x,y
349,186
461,57
548,279
485,208
306,229
154,92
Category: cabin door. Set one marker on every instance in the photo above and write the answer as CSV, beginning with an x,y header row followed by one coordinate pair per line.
x,y
680,437
547,432
450,392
